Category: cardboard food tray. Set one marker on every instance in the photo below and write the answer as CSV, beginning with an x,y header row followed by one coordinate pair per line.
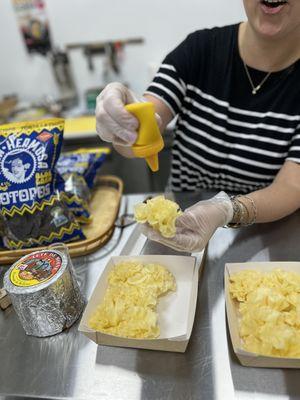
x,y
104,207
176,310
187,268
247,358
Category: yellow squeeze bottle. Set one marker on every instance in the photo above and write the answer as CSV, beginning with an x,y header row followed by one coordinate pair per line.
x,y
149,142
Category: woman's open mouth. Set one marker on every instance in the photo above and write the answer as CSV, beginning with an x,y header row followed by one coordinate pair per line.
x,y
273,6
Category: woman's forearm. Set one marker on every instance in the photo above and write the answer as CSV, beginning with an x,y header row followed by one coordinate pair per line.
x,y
279,199
272,203
162,110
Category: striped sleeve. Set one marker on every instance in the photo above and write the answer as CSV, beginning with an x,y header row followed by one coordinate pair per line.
x,y
294,150
170,82
168,87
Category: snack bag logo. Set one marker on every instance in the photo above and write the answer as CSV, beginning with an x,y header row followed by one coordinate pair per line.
x,y
44,136
36,269
18,166
20,157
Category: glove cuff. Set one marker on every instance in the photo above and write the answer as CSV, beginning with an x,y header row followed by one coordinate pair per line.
x,y
224,200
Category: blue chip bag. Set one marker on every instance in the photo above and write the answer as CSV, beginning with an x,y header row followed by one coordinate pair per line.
x,y
31,208
79,169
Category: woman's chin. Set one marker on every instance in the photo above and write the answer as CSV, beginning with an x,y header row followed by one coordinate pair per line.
x,y
269,30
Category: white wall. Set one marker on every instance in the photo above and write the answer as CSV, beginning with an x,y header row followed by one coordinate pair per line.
x,y
163,24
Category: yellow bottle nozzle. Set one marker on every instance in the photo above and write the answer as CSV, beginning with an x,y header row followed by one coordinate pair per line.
x,y
149,142
153,163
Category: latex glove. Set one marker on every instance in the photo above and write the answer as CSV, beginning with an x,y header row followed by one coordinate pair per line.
x,y
196,225
113,122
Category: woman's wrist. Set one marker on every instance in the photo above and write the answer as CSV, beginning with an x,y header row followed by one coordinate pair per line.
x,y
250,205
244,211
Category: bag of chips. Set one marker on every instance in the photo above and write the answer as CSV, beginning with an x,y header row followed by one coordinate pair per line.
x,y
78,170
32,210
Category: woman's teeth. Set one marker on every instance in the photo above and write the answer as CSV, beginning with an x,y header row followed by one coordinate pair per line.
x,y
274,3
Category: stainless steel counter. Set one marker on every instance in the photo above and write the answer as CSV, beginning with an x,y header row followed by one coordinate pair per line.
x,y
69,365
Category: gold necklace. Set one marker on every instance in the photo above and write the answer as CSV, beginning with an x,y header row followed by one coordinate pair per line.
x,y
255,89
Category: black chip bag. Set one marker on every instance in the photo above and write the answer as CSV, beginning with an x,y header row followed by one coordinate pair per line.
x,y
78,170
31,207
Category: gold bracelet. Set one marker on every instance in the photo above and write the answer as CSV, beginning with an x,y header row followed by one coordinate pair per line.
x,y
239,212
244,213
254,209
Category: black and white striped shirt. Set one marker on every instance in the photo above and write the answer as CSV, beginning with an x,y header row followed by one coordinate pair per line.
x,y
226,137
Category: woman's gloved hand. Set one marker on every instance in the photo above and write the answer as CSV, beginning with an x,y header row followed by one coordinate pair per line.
x,y
196,225
113,122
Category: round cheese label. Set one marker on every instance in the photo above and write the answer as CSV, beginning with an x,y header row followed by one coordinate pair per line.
x,y
35,269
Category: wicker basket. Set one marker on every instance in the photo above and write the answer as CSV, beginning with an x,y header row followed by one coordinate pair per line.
x,y
104,207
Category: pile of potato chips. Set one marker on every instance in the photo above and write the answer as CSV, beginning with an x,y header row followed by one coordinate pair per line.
x,y
160,214
129,305
269,307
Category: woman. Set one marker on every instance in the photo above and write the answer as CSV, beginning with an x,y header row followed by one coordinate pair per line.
x,y
236,91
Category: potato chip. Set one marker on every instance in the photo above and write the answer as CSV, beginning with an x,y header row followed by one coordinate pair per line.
x,y
160,214
269,308
129,305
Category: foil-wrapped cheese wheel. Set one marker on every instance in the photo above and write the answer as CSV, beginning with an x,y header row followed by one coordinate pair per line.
x,y
44,292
